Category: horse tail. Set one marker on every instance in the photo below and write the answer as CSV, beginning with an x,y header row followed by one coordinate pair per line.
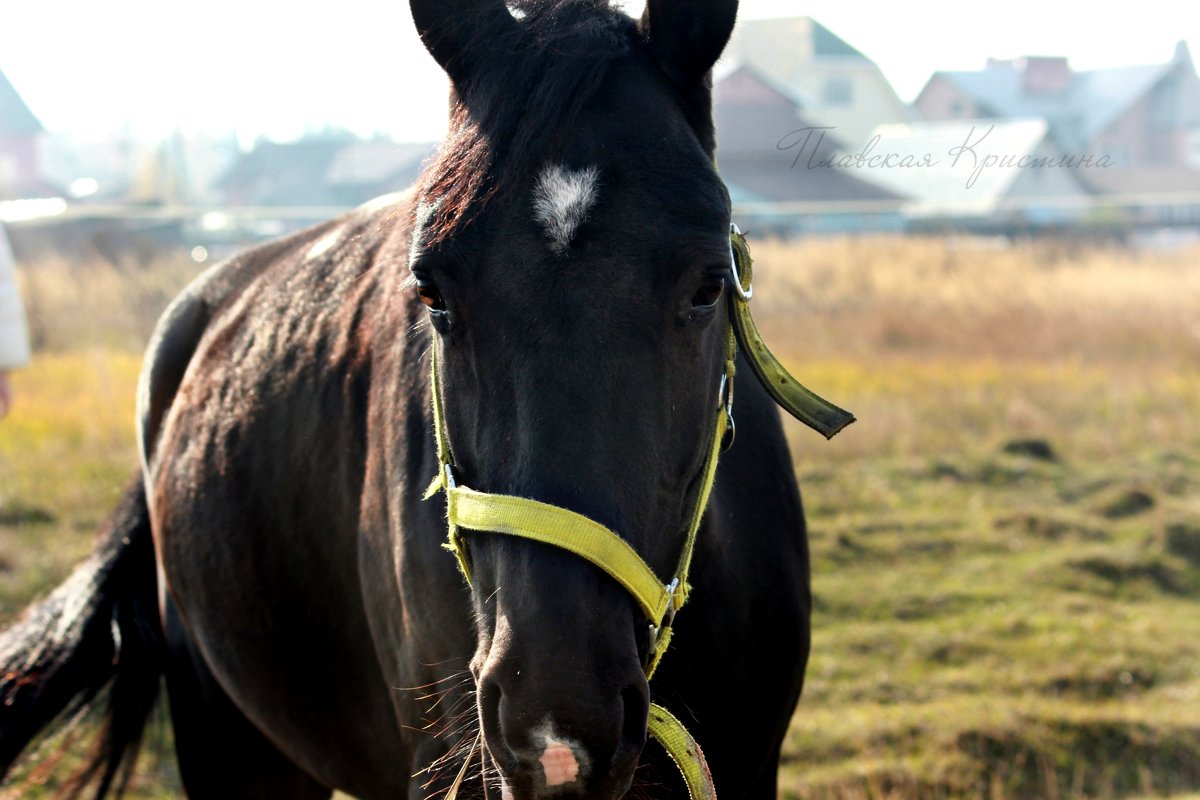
x,y
96,637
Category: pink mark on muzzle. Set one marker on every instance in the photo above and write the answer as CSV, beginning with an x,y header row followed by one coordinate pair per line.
x,y
559,764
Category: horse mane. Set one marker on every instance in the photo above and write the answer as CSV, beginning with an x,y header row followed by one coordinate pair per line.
x,y
521,104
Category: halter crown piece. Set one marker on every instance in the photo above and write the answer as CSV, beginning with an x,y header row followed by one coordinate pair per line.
x,y
480,512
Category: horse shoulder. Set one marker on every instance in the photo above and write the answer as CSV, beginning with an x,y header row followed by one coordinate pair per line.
x,y
178,334
183,325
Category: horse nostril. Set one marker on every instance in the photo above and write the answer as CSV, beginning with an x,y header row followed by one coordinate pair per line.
x,y
635,700
490,698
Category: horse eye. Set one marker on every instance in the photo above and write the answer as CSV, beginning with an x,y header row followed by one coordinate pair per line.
x,y
431,296
709,294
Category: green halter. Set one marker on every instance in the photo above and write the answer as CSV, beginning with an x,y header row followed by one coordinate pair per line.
x,y
467,509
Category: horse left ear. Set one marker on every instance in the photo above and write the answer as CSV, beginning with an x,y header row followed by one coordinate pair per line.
x,y
461,34
687,36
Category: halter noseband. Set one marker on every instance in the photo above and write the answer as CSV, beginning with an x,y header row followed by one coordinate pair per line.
x,y
530,519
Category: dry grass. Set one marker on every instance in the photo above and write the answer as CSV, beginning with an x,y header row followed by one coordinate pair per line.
x,y
979,299
819,299
99,303
938,343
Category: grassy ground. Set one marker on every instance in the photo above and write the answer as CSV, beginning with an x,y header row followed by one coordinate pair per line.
x,y
1006,546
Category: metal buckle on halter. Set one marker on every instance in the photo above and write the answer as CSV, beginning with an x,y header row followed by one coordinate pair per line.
x,y
725,397
672,607
668,617
450,482
743,294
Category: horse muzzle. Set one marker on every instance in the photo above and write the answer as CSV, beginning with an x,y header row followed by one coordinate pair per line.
x,y
556,733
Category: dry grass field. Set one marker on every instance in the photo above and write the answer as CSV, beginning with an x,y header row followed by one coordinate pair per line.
x,y
1006,545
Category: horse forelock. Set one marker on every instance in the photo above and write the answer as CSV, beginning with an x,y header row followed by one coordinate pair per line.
x,y
511,119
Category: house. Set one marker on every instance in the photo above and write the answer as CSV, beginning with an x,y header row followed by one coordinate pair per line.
x,y
328,171
836,84
20,140
1140,116
1001,176
285,186
771,154
282,174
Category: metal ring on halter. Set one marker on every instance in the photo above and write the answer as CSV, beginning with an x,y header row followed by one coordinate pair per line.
x,y
743,294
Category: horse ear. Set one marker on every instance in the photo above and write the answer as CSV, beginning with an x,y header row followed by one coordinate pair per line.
x,y
460,34
687,36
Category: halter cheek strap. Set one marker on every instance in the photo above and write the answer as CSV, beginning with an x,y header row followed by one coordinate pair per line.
x,y
481,512
817,413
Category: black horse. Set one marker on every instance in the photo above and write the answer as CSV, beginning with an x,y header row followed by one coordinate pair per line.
x,y
565,258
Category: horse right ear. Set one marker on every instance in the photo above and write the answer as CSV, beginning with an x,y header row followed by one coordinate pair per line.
x,y
460,34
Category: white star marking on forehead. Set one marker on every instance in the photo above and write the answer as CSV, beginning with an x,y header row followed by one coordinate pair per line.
x,y
561,202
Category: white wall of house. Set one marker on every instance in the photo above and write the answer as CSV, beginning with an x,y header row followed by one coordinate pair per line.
x,y
1050,195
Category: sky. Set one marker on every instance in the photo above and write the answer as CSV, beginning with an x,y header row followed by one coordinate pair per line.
x,y
275,69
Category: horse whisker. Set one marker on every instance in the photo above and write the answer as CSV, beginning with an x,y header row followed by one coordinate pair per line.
x,y
454,787
452,676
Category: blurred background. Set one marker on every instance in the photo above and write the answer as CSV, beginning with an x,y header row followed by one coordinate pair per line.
x,y
976,226
138,127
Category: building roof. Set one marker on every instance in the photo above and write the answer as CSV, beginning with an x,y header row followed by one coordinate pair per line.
x,y
323,171
950,186
838,188
754,113
1087,104
1082,111
764,153
835,83
15,117
733,68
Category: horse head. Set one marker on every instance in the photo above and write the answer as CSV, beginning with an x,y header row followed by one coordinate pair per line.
x,y
571,244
